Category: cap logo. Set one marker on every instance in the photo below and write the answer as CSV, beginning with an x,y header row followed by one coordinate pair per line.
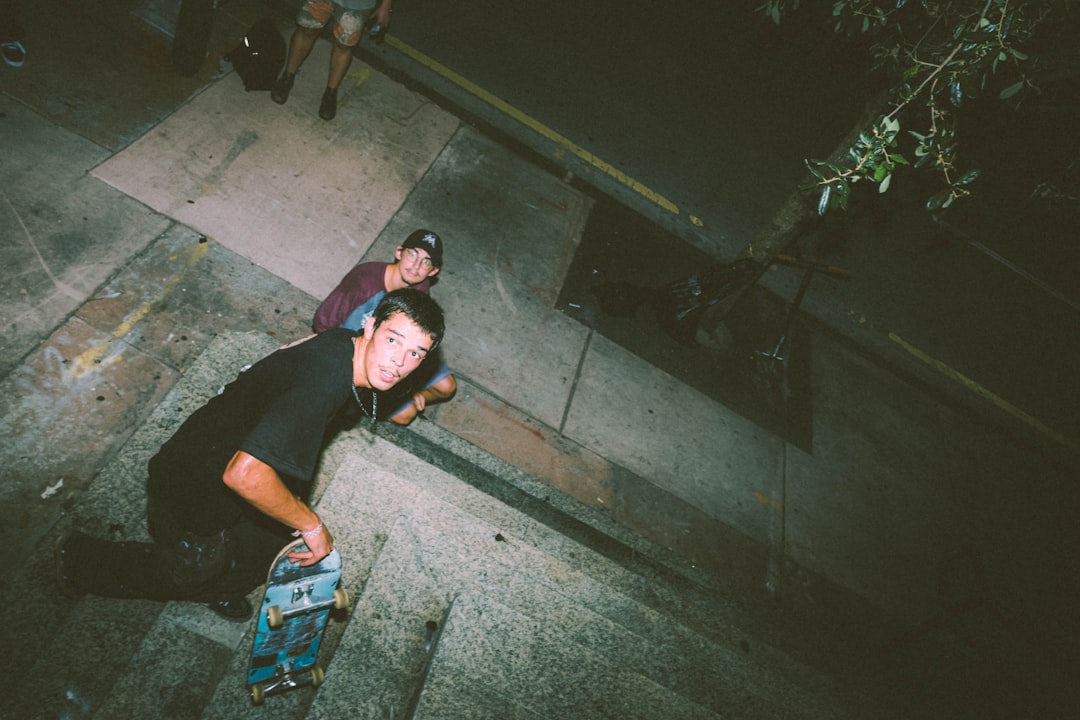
x,y
429,239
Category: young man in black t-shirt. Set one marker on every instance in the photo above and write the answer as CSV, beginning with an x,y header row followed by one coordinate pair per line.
x,y
229,487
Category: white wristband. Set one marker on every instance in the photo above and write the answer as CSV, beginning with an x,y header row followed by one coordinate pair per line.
x,y
311,533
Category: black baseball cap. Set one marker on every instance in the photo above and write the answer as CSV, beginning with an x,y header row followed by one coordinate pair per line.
x,y
426,240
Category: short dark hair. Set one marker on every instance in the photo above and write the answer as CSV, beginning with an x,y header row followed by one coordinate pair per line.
x,y
419,307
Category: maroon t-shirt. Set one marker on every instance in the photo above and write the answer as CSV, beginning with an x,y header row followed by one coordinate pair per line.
x,y
356,288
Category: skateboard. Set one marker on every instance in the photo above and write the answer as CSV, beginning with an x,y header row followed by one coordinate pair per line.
x,y
192,37
293,615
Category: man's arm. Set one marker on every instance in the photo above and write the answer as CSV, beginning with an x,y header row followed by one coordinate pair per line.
x,y
259,484
436,393
381,13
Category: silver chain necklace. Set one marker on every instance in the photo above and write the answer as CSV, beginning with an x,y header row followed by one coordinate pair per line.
x,y
374,414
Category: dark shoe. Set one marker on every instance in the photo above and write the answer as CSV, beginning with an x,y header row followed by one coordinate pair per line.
x,y
236,609
328,106
282,87
14,53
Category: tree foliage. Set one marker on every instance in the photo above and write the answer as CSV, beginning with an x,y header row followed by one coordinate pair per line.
x,y
938,56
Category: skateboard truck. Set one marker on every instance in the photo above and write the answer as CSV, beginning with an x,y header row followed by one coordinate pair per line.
x,y
286,681
302,604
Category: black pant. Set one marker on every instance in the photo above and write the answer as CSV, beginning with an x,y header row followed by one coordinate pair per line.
x,y
179,564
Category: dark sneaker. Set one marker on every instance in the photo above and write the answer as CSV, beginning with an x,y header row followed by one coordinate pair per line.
x,y
282,87
328,106
236,609
14,53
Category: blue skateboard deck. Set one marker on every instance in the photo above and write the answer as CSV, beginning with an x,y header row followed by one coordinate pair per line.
x,y
295,609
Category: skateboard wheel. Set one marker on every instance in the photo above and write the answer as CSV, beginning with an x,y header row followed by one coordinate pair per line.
x,y
274,616
257,695
341,599
317,676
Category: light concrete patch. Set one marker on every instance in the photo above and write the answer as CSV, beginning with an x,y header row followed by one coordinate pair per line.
x,y
688,444
301,197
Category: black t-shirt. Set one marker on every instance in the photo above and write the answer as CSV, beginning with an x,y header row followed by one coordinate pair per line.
x,y
278,410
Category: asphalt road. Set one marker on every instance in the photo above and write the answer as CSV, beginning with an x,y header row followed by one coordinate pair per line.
x,y
700,115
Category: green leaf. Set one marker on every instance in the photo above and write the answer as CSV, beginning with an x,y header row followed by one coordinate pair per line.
x,y
899,159
885,183
823,204
937,200
1011,90
956,93
969,177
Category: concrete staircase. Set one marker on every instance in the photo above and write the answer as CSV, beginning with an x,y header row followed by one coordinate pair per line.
x,y
465,607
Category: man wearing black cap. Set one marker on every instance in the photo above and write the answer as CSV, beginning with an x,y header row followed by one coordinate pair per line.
x,y
416,263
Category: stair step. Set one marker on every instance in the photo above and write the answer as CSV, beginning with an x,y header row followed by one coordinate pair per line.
x,y
515,662
177,667
72,674
432,549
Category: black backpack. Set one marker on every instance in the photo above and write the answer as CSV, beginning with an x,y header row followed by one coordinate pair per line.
x,y
259,56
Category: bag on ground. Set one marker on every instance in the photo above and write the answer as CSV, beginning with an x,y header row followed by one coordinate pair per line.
x,y
260,55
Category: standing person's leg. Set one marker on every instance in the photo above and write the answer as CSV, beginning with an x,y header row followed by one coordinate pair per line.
x,y
340,59
311,19
346,35
303,39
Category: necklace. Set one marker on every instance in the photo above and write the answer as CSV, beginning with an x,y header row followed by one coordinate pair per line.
x,y
374,414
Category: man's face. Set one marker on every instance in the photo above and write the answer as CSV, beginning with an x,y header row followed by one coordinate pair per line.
x,y
416,265
397,347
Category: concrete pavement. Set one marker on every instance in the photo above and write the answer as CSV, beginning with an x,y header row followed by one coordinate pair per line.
x,y
147,221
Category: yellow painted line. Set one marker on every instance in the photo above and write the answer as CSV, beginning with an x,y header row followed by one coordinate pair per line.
x,y
982,392
533,125
90,360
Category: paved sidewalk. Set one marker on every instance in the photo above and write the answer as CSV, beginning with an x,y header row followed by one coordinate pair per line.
x,y
131,240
